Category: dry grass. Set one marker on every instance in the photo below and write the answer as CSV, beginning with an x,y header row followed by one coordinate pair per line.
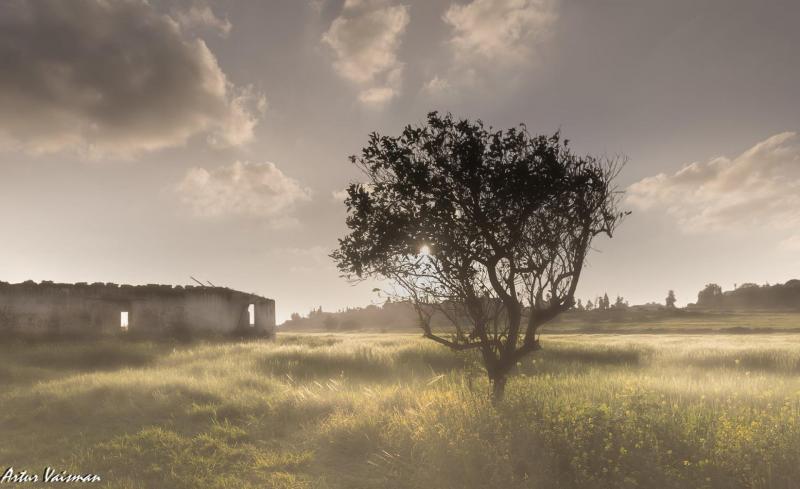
x,y
393,411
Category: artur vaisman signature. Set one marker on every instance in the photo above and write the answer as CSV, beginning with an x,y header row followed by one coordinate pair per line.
x,y
47,475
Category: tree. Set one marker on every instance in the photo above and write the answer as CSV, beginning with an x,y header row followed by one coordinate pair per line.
x,y
620,303
589,305
579,305
330,323
606,304
670,300
478,226
710,296
351,324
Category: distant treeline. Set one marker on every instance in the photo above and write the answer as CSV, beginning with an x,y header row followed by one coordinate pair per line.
x,y
392,316
401,316
751,296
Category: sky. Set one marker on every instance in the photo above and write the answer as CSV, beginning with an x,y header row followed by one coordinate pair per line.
x,y
147,142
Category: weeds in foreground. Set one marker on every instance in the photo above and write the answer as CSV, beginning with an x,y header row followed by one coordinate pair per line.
x,y
370,411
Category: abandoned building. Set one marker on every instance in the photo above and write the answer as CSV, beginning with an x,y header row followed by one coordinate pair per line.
x,y
82,309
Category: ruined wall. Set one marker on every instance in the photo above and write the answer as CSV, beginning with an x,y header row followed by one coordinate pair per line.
x,y
47,308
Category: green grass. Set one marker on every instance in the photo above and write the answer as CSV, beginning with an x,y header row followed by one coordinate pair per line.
x,y
395,411
679,321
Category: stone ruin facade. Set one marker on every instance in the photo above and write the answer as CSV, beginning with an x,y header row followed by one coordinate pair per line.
x,y
47,309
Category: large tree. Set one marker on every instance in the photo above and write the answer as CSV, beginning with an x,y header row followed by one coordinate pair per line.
x,y
487,228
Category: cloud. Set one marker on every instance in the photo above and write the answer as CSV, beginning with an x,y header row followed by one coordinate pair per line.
x,y
377,96
365,39
339,195
259,190
114,78
759,189
500,30
491,37
437,85
201,17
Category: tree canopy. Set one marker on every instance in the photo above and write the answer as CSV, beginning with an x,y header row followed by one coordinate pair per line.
x,y
488,227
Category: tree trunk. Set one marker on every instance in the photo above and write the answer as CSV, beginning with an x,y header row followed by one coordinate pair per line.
x,y
498,387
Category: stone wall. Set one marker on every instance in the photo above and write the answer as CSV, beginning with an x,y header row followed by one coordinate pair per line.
x,y
53,309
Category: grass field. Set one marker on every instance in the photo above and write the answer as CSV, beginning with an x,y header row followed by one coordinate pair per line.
x,y
394,411
678,321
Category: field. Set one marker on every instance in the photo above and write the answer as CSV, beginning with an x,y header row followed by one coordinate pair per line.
x,y
394,411
678,321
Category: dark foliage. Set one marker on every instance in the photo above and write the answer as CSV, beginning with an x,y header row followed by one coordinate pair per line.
x,y
490,228
670,300
751,296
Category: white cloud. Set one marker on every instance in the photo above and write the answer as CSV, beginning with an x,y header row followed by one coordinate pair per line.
x,y
365,39
377,96
492,37
339,195
129,79
258,190
200,16
437,85
245,109
759,189
500,30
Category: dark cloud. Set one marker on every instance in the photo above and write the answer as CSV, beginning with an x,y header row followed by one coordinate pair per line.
x,y
112,77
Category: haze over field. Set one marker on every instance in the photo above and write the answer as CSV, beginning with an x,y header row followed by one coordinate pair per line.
x,y
220,149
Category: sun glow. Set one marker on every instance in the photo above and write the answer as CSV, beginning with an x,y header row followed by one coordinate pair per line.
x,y
424,250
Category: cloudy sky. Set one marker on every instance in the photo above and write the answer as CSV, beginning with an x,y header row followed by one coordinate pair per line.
x,y
146,142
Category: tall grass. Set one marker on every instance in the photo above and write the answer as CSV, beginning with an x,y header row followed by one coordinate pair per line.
x,y
380,411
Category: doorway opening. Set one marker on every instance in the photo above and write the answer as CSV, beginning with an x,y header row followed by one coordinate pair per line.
x,y
123,320
251,311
